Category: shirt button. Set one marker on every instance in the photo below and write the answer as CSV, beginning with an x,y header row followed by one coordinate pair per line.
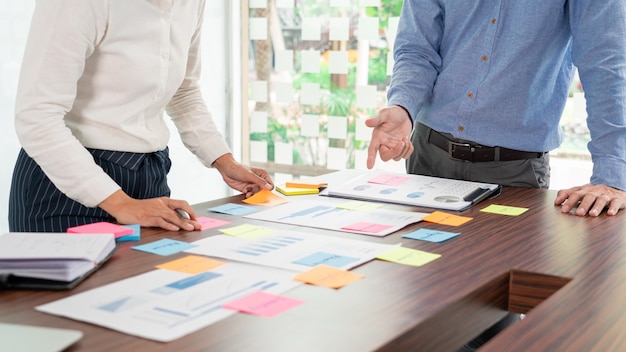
x,y
484,58
470,95
165,55
461,128
493,21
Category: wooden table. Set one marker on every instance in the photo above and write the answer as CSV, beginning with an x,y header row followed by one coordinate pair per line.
x,y
567,273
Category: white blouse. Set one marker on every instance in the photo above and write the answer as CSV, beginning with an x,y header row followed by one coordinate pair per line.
x,y
100,74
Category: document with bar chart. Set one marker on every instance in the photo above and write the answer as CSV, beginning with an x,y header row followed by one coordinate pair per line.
x,y
297,251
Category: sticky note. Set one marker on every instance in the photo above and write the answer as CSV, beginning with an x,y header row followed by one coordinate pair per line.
x,y
258,151
164,247
284,4
283,153
310,61
258,122
310,93
258,91
284,92
504,210
233,209
358,205
431,235
263,304
258,28
101,227
247,231
302,184
191,264
294,191
135,236
311,28
408,256
328,276
368,227
339,28
284,60
366,97
368,28
440,217
209,223
257,4
266,198
388,180
336,158
310,125
325,258
338,62
362,132
337,127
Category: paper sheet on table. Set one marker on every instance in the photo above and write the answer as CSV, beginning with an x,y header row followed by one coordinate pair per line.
x,y
291,250
164,305
332,214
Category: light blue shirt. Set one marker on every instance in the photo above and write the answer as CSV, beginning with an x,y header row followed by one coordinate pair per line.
x,y
498,72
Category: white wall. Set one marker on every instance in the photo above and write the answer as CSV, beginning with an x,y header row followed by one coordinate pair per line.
x,y
188,179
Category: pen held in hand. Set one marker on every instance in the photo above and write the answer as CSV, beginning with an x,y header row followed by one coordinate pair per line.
x,y
183,214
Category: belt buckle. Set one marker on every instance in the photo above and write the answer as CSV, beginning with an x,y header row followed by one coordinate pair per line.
x,y
452,145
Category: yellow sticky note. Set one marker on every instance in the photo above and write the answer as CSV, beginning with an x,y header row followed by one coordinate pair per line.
x,y
191,264
504,210
440,217
293,191
328,276
408,256
265,197
360,206
247,231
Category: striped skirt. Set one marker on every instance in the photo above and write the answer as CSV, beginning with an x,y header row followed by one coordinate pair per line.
x,y
36,205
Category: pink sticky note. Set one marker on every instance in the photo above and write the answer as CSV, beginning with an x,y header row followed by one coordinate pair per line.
x,y
389,180
209,223
366,227
263,304
102,227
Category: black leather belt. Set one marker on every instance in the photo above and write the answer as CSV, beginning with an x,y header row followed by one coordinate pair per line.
x,y
475,152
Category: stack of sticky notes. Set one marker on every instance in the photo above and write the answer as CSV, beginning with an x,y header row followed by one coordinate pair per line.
x,y
121,232
296,188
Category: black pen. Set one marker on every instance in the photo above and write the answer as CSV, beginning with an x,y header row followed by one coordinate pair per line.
x,y
478,195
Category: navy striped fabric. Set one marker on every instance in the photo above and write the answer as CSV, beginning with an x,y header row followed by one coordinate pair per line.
x,y
36,205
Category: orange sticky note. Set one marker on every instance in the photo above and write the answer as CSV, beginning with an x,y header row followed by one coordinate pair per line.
x,y
298,184
265,197
328,276
191,264
440,217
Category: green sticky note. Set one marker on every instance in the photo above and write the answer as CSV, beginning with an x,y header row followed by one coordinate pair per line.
x,y
504,210
408,256
247,231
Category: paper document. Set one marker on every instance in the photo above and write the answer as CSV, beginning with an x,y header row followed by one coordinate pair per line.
x,y
164,305
416,190
291,250
339,215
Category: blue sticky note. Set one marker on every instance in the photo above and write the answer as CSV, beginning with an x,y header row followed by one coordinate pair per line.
x,y
164,247
233,209
331,259
431,235
135,236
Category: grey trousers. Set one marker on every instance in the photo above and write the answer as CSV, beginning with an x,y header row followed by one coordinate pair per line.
x,y
429,160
